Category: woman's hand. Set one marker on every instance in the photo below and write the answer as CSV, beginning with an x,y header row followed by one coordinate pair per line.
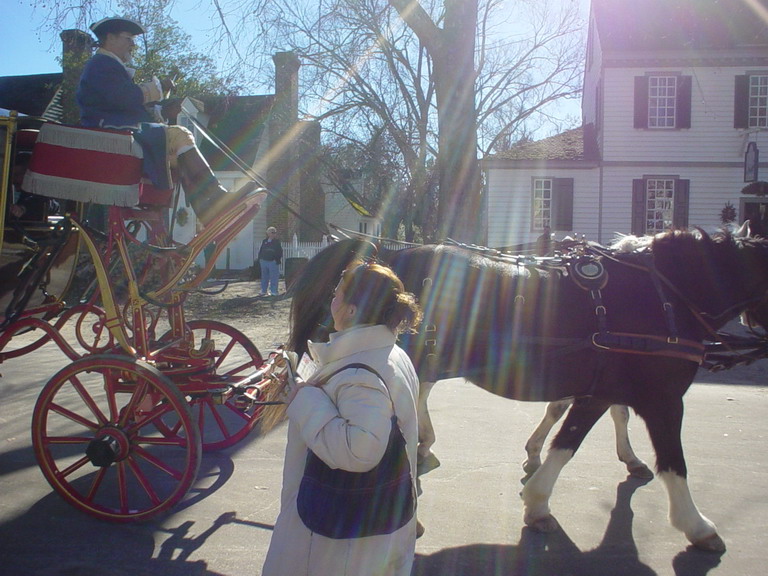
x,y
292,389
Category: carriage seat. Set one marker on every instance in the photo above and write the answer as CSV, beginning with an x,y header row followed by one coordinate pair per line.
x,y
91,165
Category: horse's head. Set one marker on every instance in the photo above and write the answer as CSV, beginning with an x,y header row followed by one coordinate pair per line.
x,y
722,275
310,317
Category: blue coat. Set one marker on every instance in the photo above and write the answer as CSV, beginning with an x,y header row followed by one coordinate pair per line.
x,y
108,96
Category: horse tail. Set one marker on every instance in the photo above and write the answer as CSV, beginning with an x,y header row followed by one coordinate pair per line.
x,y
310,317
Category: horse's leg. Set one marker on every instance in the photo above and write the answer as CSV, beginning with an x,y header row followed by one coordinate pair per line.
x,y
635,466
535,443
537,491
664,420
426,458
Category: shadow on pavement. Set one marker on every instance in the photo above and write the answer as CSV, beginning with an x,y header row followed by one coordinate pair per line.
x,y
54,539
539,554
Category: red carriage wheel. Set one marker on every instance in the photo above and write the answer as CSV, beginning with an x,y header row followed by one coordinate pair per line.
x,y
221,421
95,439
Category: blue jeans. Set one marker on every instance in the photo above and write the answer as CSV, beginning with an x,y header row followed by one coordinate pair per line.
x,y
270,274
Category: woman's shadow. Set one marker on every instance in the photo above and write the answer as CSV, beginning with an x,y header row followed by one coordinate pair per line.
x,y
556,554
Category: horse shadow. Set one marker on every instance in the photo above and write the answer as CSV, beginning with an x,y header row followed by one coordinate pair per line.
x,y
556,554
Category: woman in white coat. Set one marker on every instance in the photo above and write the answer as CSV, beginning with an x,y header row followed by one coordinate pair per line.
x,y
347,422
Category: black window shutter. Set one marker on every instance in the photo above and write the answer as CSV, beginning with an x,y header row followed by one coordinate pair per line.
x,y
680,209
683,104
741,102
562,204
641,102
638,207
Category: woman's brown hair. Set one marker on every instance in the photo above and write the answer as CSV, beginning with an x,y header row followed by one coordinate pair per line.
x,y
379,296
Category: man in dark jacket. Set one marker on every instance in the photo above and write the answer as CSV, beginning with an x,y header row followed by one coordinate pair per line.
x,y
270,256
109,98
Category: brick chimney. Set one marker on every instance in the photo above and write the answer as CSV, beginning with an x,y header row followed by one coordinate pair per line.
x,y
284,174
77,47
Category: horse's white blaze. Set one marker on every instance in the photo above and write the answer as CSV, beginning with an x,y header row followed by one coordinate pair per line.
x,y
683,513
538,488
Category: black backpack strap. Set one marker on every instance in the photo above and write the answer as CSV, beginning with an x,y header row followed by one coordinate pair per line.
x,y
324,380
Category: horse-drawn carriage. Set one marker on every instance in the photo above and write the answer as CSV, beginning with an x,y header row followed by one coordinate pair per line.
x,y
119,431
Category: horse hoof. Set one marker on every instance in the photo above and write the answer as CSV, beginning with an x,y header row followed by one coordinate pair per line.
x,y
426,463
711,543
641,471
546,524
530,467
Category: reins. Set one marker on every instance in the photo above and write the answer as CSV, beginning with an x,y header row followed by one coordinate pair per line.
x,y
248,171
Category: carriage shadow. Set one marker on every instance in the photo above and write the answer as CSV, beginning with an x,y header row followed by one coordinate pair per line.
x,y
53,539
556,554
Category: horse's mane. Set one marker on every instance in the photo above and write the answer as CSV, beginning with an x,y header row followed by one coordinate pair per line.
x,y
626,244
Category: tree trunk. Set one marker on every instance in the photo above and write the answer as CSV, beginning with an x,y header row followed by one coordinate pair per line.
x,y
459,209
452,50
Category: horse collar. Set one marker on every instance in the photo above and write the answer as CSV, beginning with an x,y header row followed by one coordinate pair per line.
x,y
588,273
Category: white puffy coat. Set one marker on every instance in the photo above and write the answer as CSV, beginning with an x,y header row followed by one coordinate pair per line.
x,y
346,423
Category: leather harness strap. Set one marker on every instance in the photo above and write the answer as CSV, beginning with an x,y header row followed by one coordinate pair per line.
x,y
588,273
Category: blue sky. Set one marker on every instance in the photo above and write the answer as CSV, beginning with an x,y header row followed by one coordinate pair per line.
x,y
24,49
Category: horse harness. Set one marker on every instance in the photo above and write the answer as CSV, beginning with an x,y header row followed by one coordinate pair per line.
x,y
584,266
589,274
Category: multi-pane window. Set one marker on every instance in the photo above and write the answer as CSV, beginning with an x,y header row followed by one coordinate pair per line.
x,y
542,203
659,204
662,96
663,101
758,101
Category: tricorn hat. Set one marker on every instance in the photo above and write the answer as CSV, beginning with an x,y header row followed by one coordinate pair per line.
x,y
115,24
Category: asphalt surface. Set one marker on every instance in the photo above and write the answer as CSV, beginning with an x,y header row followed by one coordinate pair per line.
x,y
610,525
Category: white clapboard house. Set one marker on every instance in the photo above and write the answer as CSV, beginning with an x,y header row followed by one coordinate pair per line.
x,y
674,116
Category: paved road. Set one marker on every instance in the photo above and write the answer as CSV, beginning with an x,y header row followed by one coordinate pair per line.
x,y
473,516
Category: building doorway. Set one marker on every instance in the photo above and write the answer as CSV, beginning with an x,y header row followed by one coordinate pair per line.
x,y
756,211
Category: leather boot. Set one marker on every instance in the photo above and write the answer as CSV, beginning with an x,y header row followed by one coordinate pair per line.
x,y
204,193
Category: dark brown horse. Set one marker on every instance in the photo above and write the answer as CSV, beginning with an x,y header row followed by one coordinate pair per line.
x,y
599,326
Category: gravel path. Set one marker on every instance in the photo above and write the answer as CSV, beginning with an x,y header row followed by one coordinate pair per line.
x,y
263,319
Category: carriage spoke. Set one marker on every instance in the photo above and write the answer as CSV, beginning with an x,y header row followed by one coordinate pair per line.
x,y
157,463
134,406
77,418
88,399
98,479
143,481
69,470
